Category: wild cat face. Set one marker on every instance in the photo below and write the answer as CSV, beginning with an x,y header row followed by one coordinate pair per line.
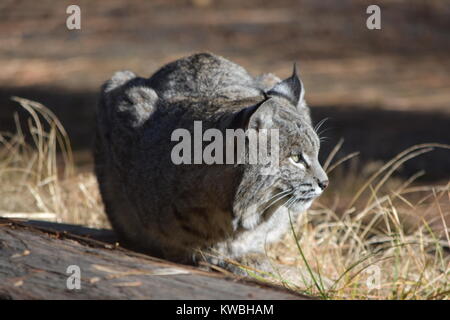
x,y
296,178
301,177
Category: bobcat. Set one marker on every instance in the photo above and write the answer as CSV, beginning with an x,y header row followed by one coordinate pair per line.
x,y
192,212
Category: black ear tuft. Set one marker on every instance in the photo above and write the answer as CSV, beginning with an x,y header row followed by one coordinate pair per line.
x,y
290,88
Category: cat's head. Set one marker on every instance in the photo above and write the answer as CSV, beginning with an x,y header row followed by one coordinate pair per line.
x,y
295,177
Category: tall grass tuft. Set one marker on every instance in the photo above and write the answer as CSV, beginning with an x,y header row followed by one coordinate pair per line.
x,y
37,173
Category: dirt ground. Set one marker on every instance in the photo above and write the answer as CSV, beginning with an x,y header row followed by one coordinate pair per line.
x,y
383,90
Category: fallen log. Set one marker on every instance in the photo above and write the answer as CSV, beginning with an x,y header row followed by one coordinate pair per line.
x,y
41,260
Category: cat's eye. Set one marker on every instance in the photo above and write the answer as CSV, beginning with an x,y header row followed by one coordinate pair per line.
x,y
296,158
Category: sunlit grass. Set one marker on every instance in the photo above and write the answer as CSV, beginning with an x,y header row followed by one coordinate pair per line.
x,y
38,179
375,238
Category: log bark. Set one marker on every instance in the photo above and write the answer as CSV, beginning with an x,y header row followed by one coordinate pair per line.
x,y
35,257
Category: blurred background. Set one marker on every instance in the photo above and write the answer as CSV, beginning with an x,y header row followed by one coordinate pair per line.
x,y
382,90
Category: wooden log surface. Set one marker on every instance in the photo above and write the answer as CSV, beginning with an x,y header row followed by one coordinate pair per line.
x,y
35,256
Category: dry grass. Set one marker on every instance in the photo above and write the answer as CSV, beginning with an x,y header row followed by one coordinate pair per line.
x,y
38,179
376,237
368,226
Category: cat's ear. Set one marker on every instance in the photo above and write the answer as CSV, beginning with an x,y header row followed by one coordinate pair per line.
x,y
255,117
290,89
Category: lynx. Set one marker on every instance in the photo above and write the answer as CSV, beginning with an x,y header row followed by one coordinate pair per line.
x,y
193,212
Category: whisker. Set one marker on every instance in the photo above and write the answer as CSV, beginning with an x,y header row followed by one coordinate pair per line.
x,y
280,196
321,122
289,199
294,202
292,190
285,194
279,193
290,202
323,131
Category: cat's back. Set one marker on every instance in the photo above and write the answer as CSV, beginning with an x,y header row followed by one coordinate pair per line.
x,y
203,76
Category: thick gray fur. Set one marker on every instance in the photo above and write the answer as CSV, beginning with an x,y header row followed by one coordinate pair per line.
x,y
190,212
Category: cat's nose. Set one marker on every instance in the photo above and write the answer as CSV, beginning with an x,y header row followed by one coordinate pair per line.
x,y
323,184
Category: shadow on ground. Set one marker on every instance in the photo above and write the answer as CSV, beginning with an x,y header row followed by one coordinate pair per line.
x,y
379,134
